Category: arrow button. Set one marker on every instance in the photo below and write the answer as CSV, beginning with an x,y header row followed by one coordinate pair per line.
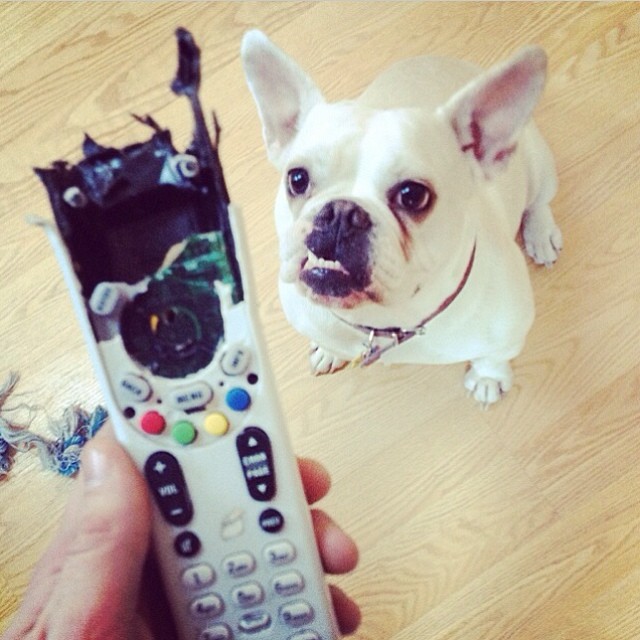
x,y
256,458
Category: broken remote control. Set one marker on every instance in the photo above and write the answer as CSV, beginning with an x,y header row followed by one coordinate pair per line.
x,y
152,252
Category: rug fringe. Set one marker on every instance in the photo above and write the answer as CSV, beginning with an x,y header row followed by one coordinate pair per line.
x,y
60,453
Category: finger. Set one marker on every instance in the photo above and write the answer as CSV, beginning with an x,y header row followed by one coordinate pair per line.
x,y
72,516
347,611
88,581
315,479
47,571
338,551
104,559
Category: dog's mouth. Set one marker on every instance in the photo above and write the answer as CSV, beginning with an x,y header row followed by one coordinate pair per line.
x,y
328,278
336,268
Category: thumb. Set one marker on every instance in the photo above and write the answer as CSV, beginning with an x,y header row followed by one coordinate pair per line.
x,y
87,584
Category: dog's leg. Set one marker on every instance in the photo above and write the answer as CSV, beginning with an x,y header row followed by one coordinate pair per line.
x,y
488,380
323,361
542,236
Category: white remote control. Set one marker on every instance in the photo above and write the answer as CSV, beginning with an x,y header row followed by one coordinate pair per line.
x,y
153,256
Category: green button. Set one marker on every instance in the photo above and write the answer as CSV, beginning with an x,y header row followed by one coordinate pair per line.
x,y
184,432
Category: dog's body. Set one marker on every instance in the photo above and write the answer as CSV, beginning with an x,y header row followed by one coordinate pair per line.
x,y
398,212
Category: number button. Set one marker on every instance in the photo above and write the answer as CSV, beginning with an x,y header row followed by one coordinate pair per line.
x,y
307,634
280,553
254,622
198,576
239,565
207,606
296,614
288,584
247,595
217,632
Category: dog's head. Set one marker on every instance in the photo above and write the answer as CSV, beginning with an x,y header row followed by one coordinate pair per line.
x,y
377,206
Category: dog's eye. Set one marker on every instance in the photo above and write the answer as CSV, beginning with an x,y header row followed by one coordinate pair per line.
x,y
411,197
298,181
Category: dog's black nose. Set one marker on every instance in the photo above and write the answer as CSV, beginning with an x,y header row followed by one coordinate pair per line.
x,y
343,215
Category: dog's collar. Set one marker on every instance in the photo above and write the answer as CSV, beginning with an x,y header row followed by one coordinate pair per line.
x,y
372,351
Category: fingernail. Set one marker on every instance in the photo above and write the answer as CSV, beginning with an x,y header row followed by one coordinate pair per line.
x,y
94,467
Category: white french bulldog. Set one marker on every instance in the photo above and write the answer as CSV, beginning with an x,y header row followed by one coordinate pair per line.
x,y
398,212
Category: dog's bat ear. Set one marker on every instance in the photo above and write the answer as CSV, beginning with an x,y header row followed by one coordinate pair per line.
x,y
489,113
283,92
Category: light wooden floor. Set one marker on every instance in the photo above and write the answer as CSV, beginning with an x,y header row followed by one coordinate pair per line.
x,y
521,522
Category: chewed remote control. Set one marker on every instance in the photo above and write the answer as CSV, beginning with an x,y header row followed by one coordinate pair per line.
x,y
152,252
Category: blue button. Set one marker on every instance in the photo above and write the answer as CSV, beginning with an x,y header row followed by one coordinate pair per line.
x,y
238,399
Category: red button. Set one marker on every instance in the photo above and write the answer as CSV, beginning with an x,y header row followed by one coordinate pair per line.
x,y
153,423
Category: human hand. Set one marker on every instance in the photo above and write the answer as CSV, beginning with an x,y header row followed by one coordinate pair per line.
x,y
89,583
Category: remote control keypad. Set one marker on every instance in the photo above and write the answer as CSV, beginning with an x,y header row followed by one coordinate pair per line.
x,y
246,595
203,411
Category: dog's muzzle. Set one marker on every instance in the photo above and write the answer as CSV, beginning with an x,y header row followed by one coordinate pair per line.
x,y
338,263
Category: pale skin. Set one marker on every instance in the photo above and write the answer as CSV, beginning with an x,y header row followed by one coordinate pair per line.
x,y
91,583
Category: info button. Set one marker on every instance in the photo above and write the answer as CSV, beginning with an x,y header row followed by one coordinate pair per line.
x,y
235,360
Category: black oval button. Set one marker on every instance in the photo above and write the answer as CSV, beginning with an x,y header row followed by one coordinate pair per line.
x,y
187,544
169,488
254,450
271,521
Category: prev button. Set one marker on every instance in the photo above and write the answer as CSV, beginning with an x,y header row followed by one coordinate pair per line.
x,y
271,521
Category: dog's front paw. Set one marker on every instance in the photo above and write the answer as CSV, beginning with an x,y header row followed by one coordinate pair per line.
x,y
323,361
542,238
487,382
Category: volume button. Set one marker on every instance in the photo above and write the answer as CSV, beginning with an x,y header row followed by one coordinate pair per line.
x,y
169,488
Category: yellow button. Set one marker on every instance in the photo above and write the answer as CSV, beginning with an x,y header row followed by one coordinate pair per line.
x,y
216,424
